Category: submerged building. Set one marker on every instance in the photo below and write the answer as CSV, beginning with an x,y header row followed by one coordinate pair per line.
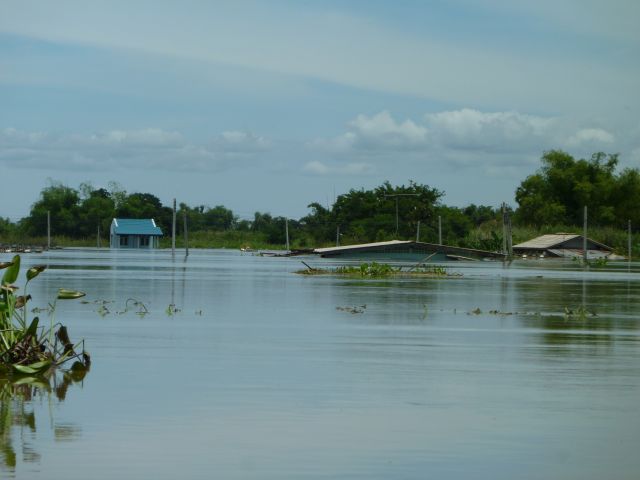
x,y
563,245
135,233
405,250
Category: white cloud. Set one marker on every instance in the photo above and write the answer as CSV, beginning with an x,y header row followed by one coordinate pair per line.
x,y
378,132
149,138
589,137
241,142
319,168
149,148
464,129
381,130
471,129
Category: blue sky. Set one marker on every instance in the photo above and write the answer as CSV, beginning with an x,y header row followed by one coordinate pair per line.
x,y
270,106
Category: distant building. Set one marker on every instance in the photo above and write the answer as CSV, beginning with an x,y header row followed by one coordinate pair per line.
x,y
565,245
135,233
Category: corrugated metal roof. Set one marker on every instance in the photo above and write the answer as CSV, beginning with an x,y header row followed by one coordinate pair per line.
x,y
405,247
136,226
361,245
547,241
555,240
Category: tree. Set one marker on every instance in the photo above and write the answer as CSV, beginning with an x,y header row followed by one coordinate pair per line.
x,y
96,210
219,218
62,203
557,193
7,228
320,225
366,215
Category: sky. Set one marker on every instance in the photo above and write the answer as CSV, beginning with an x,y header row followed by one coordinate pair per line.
x,y
272,105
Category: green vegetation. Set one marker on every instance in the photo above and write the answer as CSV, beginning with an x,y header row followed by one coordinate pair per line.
x,y
379,270
549,201
557,193
373,269
25,346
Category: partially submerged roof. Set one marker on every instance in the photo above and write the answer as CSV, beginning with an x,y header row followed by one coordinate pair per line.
x,y
555,241
136,226
404,249
361,246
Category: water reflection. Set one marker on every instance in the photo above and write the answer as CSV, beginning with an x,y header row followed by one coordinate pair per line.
x,y
19,402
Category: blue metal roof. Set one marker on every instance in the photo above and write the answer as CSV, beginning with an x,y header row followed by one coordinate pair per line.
x,y
136,226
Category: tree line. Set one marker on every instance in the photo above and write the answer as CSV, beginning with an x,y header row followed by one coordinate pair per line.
x,y
553,196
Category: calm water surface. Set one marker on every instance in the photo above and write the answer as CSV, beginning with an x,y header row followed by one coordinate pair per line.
x,y
242,369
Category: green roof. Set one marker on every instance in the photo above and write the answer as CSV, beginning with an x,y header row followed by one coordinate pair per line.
x,y
136,226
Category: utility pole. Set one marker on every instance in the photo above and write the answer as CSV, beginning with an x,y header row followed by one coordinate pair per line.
x,y
98,236
173,229
504,227
398,195
584,239
338,236
507,236
48,230
439,230
418,232
629,241
286,232
186,236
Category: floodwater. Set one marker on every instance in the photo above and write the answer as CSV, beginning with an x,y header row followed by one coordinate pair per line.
x,y
241,369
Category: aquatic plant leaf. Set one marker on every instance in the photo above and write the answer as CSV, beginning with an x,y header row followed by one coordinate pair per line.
x,y
11,273
33,327
34,271
4,265
33,368
34,382
40,365
64,294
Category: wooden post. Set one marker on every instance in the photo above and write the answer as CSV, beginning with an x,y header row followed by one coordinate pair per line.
x,y
173,229
286,232
186,236
584,239
504,228
418,232
439,230
397,222
509,237
629,240
48,230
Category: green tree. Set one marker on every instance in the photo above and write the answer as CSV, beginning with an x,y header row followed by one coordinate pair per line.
x,y
219,218
626,197
63,204
273,228
7,228
557,193
97,209
367,215
320,225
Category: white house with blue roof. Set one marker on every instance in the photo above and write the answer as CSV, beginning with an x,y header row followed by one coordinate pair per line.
x,y
135,233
